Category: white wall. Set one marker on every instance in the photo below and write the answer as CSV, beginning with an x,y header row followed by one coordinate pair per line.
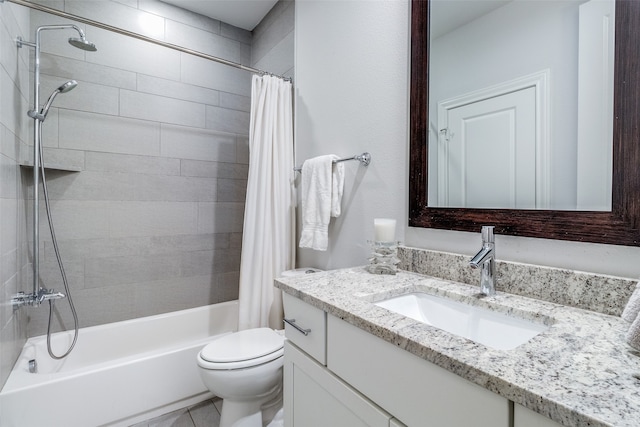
x,y
352,89
351,96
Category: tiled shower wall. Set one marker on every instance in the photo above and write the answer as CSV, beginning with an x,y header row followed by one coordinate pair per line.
x,y
14,93
272,48
153,221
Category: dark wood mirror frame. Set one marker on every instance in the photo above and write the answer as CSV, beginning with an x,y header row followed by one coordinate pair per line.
x,y
617,227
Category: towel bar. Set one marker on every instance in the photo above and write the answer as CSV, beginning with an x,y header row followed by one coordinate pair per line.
x,y
364,159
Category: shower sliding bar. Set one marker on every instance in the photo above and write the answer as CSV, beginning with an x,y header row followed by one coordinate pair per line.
x,y
124,32
364,159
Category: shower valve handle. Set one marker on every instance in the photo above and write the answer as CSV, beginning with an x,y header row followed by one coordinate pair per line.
x,y
48,295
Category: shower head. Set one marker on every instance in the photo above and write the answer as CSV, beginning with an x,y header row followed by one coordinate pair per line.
x,y
67,86
63,88
82,43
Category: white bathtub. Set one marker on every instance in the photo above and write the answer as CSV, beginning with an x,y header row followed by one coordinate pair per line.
x,y
118,374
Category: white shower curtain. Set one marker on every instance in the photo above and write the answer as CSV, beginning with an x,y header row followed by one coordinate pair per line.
x,y
268,246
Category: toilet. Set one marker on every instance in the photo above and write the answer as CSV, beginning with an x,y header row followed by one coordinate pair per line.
x,y
244,369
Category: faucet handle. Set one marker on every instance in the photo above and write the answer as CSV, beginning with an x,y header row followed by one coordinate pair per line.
x,y
487,234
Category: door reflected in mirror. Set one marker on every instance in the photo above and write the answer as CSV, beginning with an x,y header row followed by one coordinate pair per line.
x,y
521,104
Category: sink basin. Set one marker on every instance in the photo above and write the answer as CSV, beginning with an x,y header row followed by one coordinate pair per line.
x,y
492,329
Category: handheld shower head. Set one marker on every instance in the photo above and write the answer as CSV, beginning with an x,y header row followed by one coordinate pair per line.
x,y
82,43
64,88
67,86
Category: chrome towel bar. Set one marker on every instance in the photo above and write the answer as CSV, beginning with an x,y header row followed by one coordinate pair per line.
x,y
364,159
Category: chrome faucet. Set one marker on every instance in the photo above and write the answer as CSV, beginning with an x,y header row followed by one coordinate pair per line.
x,y
34,300
485,258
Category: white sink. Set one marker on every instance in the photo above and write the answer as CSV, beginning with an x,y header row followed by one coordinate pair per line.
x,y
492,329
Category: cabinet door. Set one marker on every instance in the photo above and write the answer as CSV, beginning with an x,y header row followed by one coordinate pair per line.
x,y
524,417
314,397
415,391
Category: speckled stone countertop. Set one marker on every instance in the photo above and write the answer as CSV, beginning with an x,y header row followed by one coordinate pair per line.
x,y
579,372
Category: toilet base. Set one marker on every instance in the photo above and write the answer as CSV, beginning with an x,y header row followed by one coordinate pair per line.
x,y
238,414
242,413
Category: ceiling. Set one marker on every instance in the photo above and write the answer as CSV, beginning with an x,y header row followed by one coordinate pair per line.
x,y
452,14
247,14
244,14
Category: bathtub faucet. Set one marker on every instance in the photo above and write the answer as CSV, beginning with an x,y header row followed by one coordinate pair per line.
x,y
48,295
43,295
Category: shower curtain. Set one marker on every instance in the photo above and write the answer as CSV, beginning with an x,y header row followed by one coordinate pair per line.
x,y
268,246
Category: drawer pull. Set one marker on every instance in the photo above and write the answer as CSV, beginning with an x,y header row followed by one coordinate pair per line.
x,y
292,322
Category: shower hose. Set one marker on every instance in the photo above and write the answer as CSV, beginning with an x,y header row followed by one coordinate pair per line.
x,y
60,265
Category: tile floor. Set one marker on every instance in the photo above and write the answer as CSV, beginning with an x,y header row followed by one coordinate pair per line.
x,y
204,414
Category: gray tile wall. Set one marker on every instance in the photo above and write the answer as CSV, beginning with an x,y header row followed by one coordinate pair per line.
x,y
272,48
153,222
14,263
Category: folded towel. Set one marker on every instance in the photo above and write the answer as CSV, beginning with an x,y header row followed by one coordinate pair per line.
x,y
632,308
633,335
337,188
320,198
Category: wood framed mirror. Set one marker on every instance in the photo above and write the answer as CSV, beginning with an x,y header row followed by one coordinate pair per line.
x,y
619,226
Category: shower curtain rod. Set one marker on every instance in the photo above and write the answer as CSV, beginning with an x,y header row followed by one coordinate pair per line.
x,y
124,32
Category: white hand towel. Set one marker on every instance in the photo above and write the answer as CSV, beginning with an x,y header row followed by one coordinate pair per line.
x,y
633,334
318,201
337,188
632,308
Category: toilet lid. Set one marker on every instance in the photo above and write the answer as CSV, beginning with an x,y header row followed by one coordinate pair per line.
x,y
244,345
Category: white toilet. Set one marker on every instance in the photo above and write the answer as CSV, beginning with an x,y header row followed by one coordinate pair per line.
x,y
244,369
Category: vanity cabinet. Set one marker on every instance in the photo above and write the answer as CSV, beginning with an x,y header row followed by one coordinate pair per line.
x,y
356,379
524,417
417,392
313,396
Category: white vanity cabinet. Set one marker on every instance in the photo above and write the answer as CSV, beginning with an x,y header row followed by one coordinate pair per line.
x,y
370,382
524,417
415,391
313,396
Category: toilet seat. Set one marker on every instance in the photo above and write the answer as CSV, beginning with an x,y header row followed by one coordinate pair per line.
x,y
251,347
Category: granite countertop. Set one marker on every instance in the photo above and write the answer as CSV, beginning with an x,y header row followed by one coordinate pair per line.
x,y
579,372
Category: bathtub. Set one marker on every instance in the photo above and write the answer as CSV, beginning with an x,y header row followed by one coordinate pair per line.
x,y
118,374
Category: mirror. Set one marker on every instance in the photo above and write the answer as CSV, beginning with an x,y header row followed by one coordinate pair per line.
x,y
521,104
619,225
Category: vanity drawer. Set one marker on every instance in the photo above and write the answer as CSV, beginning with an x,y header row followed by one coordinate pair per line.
x,y
306,327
